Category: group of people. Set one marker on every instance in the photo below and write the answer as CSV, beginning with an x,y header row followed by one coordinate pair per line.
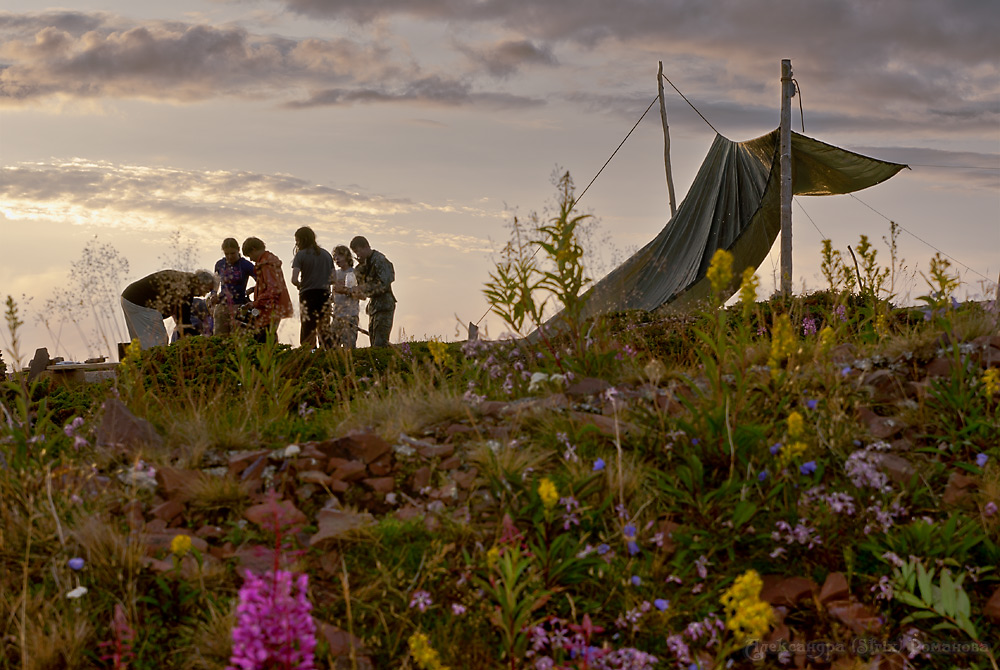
x,y
330,290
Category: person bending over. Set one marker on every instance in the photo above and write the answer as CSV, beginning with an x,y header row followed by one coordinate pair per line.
x,y
162,295
316,267
233,272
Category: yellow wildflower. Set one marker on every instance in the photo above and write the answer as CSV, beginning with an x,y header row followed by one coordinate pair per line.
x,y
747,615
748,291
796,426
991,382
180,545
426,656
548,492
720,273
783,343
882,324
791,452
826,340
439,350
492,557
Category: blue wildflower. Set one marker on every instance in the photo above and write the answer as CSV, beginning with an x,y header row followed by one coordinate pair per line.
x,y
661,604
598,465
76,563
633,547
808,467
602,549
762,476
775,448
636,580
811,404
981,460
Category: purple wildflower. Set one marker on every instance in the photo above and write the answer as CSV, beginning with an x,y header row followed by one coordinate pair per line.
x,y
989,509
598,465
661,604
811,404
762,475
775,448
808,326
981,460
457,609
421,600
75,563
808,468
274,626
636,580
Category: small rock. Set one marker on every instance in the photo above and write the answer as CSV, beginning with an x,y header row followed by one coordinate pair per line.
x,y
834,588
380,484
421,478
958,488
992,607
350,471
588,386
855,615
452,463
788,591
315,477
120,427
167,511
939,367
898,469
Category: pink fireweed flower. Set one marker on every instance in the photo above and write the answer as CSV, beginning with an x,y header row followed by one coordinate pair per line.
x,y
274,626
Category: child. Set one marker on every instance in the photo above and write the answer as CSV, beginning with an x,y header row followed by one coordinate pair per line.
x,y
316,267
233,272
345,306
271,299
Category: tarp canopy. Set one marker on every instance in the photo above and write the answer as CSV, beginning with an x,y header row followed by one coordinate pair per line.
x,y
734,204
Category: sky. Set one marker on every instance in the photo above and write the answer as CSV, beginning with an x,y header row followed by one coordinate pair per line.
x,y
137,135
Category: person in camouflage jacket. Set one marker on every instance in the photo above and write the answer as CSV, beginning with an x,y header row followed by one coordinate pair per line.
x,y
375,276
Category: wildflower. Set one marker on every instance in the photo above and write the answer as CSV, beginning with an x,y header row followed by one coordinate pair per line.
x,y
458,609
636,580
492,556
783,343
426,656
75,563
78,592
826,339
762,475
748,291
701,566
775,448
991,382
599,465
981,460
840,311
989,509
846,370
548,493
180,545
792,452
808,326
439,351
602,549
812,404
537,379
747,615
661,604
808,468
274,627
795,425
421,600
720,273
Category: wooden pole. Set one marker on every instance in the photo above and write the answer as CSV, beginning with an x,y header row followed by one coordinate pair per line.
x,y
785,148
666,140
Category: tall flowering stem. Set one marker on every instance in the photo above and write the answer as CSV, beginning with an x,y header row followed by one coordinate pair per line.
x,y
274,627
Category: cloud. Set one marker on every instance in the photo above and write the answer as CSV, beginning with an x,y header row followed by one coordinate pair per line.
x,y
428,90
112,196
505,58
101,56
853,57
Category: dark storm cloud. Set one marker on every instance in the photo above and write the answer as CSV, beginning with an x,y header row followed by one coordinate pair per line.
x,y
97,56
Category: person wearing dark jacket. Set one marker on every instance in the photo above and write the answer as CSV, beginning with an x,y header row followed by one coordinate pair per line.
x,y
375,275
162,295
